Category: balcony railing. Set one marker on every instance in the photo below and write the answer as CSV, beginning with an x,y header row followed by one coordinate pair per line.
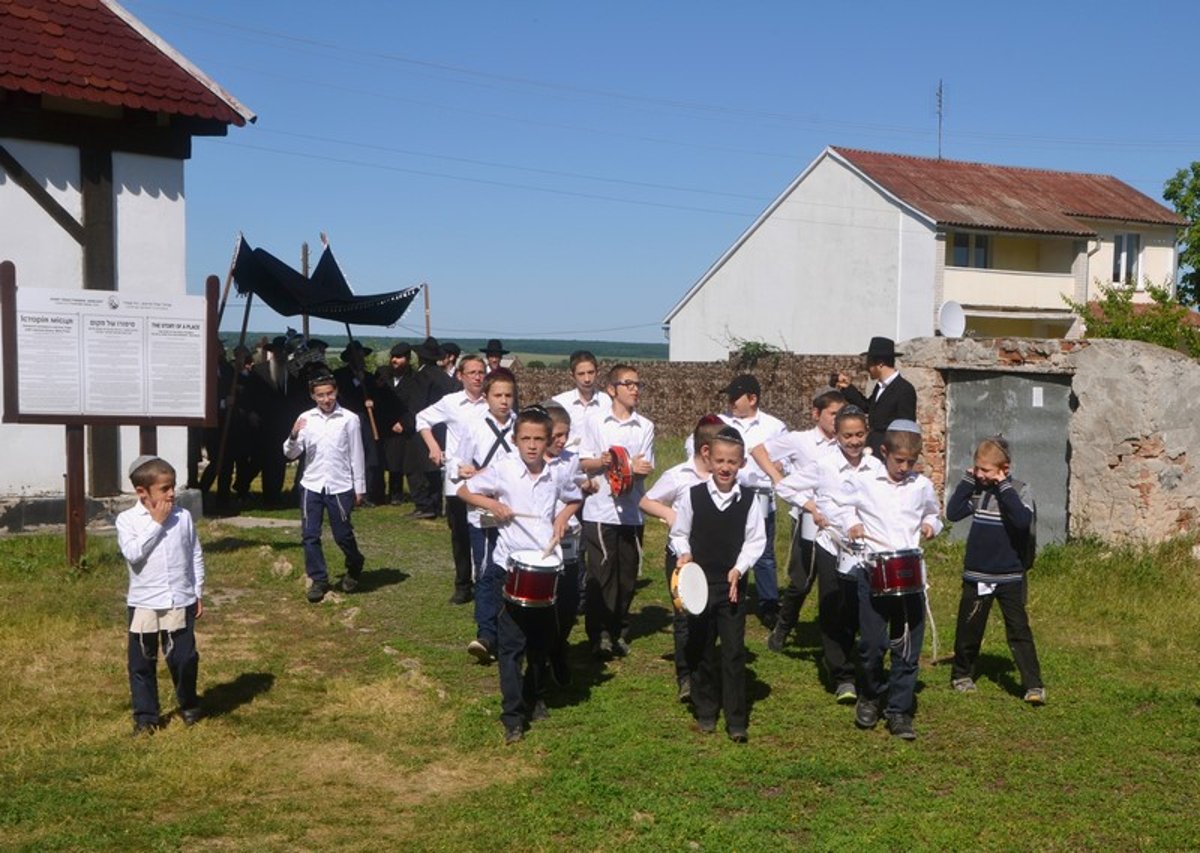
x,y
1008,288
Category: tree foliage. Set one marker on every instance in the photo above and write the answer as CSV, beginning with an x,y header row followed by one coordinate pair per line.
x,y
1183,191
1164,321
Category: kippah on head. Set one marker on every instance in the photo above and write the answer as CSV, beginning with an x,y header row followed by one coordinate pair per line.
x,y
730,434
142,460
904,425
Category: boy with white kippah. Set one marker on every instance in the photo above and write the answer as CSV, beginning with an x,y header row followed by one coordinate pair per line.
x,y
894,508
166,590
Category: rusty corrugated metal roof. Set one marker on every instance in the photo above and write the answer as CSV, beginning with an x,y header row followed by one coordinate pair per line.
x,y
85,50
1008,198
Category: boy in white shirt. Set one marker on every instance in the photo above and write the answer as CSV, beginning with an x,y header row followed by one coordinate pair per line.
x,y
660,502
893,510
720,526
533,502
166,592
584,402
486,440
612,524
330,437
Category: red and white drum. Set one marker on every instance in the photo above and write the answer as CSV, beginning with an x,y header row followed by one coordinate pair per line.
x,y
531,579
896,572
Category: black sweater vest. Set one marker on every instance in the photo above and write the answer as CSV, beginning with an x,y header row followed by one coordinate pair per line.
x,y
717,537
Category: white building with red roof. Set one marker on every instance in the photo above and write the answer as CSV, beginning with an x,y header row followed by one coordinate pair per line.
x,y
97,114
865,243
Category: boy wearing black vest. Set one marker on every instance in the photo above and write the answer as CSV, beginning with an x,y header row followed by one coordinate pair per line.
x,y
720,526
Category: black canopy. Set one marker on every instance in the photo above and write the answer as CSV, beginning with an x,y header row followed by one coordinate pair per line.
x,y
324,294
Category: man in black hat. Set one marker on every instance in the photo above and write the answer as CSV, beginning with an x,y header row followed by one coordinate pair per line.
x,y
399,400
449,363
493,352
424,477
893,397
355,393
274,399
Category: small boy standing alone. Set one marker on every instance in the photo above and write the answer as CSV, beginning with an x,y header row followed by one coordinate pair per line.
x,y
166,589
1002,511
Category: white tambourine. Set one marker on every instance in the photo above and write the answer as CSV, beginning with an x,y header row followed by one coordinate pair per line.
x,y
689,588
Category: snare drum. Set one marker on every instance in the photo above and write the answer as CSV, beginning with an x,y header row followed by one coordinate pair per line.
x,y
896,572
689,589
531,579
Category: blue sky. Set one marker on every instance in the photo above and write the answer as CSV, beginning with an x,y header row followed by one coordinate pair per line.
x,y
569,169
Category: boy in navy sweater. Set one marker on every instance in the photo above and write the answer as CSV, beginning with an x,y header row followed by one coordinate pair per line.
x,y
994,568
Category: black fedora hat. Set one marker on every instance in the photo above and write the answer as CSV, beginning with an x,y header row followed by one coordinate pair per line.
x,y
356,345
882,348
494,347
429,349
400,350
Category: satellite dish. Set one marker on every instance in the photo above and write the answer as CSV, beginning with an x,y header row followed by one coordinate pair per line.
x,y
952,320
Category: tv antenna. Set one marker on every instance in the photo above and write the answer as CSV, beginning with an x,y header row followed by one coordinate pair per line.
x,y
940,114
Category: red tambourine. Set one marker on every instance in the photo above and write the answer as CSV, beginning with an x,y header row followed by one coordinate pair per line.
x,y
620,472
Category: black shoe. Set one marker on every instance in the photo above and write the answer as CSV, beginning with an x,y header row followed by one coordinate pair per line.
x,y
317,591
461,596
560,670
777,638
769,617
685,689
190,716
866,713
367,504
349,583
144,727
738,735
540,712
513,735
901,726
422,514
604,648
705,727
482,650
620,648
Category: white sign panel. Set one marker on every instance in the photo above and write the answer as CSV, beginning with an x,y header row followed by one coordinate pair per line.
x,y
88,352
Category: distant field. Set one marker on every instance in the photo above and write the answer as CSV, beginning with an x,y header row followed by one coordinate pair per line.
x,y
546,351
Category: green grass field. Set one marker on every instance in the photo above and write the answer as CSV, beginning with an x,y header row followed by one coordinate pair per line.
x,y
362,724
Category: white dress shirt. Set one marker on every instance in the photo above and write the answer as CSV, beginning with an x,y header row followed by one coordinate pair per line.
x,y
457,411
892,513
539,495
583,413
823,482
473,448
166,566
333,452
755,534
636,435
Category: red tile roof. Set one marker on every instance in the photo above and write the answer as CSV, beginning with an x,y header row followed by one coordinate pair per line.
x,y
96,51
1006,198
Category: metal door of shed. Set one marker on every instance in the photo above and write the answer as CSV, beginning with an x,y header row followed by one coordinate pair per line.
x,y
1033,412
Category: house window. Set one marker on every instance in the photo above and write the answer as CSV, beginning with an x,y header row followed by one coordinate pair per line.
x,y
971,250
1127,249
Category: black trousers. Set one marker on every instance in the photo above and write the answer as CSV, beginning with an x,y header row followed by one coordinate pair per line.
x,y
460,541
524,632
679,625
973,610
837,615
613,557
183,662
566,606
801,575
719,673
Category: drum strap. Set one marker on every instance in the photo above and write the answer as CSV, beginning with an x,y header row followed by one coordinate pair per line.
x,y
498,443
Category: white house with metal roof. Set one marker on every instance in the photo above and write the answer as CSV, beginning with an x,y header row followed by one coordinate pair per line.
x,y
864,243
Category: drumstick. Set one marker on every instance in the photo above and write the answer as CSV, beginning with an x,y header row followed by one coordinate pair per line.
x,y
550,547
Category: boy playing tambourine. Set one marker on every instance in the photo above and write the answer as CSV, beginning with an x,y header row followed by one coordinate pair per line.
x,y
895,508
994,565
719,525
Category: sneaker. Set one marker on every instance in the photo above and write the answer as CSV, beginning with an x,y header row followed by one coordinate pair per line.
x,y
540,712
685,689
1036,696
481,650
620,648
144,727
349,583
513,735
963,685
422,515
604,648
738,735
705,727
316,592
845,694
776,639
900,725
190,716
866,713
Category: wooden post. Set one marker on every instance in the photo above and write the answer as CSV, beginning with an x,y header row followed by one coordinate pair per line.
x,y
229,278
304,269
425,287
214,467
76,500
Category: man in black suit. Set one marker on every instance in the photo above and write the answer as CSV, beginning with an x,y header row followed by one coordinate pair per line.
x,y
893,397
433,383
400,398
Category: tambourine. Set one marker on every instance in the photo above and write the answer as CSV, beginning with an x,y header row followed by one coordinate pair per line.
x,y
689,589
620,472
